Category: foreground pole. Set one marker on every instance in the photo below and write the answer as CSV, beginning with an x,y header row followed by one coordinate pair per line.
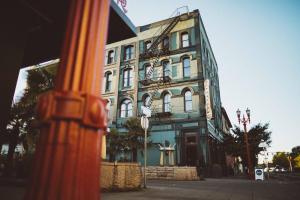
x,y
67,162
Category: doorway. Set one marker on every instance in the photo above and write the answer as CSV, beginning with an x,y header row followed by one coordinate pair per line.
x,y
191,152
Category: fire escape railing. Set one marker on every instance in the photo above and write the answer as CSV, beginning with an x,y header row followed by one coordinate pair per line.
x,y
154,53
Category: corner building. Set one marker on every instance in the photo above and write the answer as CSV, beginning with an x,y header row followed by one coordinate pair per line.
x,y
170,64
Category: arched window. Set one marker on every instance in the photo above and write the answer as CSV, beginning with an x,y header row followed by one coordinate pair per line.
x,y
166,68
167,103
108,108
165,43
110,56
188,104
185,40
108,81
146,101
127,77
129,52
148,44
126,109
148,72
186,67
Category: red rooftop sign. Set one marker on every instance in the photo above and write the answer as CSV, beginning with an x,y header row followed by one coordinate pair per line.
x,y
123,4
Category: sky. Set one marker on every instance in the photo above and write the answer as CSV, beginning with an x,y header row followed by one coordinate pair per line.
x,y
257,47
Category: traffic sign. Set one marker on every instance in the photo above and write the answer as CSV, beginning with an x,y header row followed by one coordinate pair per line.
x,y
145,122
146,111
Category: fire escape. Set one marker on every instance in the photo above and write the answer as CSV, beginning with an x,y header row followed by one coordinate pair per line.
x,y
154,53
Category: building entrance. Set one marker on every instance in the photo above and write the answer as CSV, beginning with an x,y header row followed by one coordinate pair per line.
x,y
190,150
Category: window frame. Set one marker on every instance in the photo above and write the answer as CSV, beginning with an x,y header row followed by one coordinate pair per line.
x,y
128,81
183,41
186,101
148,42
148,66
145,101
166,68
108,81
110,59
126,108
166,46
167,102
186,67
128,55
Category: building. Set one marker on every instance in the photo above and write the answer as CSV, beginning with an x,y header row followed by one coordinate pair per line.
x,y
170,67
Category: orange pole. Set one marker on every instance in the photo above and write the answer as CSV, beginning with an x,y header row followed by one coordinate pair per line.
x,y
73,116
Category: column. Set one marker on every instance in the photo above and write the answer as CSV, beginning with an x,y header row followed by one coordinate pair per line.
x,y
161,161
73,116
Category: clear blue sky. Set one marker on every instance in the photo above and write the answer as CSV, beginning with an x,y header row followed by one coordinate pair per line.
x,y
257,46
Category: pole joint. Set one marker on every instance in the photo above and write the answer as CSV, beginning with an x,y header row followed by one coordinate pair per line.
x,y
90,110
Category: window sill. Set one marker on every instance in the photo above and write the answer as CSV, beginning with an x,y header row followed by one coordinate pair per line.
x,y
131,59
127,88
109,64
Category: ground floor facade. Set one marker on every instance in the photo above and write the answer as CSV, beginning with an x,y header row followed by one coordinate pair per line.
x,y
183,143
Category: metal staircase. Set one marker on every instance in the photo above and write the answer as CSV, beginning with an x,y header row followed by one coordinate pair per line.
x,y
154,47
154,53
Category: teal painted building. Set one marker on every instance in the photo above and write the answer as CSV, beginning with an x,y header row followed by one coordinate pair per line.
x,y
170,65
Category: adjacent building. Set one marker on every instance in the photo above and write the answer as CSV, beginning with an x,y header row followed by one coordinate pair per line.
x,y
170,68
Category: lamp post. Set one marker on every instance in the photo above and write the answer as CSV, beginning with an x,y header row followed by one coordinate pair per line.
x,y
244,121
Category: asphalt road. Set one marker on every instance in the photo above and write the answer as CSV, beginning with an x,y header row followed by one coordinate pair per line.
x,y
213,189
210,189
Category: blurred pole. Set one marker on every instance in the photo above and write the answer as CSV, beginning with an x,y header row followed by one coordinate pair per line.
x,y
73,116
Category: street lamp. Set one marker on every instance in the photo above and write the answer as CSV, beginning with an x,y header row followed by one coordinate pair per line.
x,y
244,121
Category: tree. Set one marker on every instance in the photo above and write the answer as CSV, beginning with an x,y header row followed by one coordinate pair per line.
x,y
116,143
14,134
21,128
281,159
295,157
235,144
296,151
296,163
39,81
135,136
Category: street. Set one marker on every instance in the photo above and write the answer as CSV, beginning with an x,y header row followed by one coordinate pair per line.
x,y
214,189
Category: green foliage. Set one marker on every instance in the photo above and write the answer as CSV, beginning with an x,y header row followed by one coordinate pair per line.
x,y
281,159
39,81
116,143
131,141
296,150
235,144
296,162
22,123
135,136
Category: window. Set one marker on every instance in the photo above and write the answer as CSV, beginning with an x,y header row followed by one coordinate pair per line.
x,y
127,77
148,72
167,103
128,52
126,108
166,68
147,100
148,44
165,44
186,67
110,56
188,101
108,81
185,39
108,108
